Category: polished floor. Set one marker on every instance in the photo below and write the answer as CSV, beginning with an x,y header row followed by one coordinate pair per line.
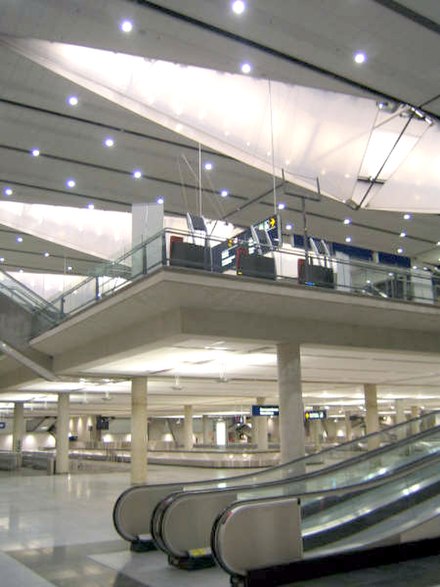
x,y
59,531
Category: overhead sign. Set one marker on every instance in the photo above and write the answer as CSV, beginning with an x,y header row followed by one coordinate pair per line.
x,y
262,410
315,415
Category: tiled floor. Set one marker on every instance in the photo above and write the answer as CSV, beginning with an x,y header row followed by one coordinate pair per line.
x,y
59,531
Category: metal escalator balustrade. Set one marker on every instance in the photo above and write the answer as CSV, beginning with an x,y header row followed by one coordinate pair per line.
x,y
175,533
133,510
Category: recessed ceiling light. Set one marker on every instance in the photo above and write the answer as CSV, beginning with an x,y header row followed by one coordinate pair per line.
x,y
359,57
438,243
2,259
126,26
8,191
109,142
348,239
137,173
19,239
402,234
91,206
414,267
46,254
224,193
209,166
289,226
281,206
72,100
400,250
246,68
238,6
69,268
35,152
160,200
70,183
347,220
407,217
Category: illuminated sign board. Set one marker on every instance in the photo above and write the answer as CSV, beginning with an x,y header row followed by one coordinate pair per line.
x,y
315,415
261,410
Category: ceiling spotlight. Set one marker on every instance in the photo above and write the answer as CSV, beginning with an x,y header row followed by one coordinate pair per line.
x,y
46,254
407,217
91,206
348,239
246,68
72,101
359,57
347,220
160,200
208,166
8,191
109,142
35,152
70,183
400,250
19,239
137,174
281,206
289,226
238,7
2,259
402,234
69,268
224,193
126,26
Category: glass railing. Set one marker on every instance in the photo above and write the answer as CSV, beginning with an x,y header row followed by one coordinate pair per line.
x,y
43,314
182,250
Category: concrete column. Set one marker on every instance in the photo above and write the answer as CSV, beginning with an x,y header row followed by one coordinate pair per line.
x,y
62,440
18,428
205,430
415,426
259,431
400,417
139,436
371,414
83,429
348,428
291,419
188,428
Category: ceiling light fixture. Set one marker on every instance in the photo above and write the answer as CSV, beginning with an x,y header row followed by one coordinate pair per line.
x,y
238,7
400,250
109,142
246,68
8,191
348,239
2,259
72,101
46,254
160,200
69,268
19,239
281,206
224,193
91,206
402,234
209,166
407,216
70,183
359,57
126,26
35,152
347,220
289,226
137,174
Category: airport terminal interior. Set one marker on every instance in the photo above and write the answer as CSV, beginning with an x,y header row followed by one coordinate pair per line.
x,y
219,293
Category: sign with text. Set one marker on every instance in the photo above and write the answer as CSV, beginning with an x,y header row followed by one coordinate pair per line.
x,y
315,415
261,410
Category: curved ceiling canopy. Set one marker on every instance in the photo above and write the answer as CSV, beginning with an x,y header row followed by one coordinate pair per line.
x,y
371,154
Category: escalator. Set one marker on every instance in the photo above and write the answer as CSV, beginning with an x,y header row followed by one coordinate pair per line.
x,y
133,510
181,523
396,518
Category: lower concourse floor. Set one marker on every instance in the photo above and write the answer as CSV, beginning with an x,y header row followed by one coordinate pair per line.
x,y
58,530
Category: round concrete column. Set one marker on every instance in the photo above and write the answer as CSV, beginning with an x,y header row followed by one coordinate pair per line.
x,y
206,430
260,431
291,418
415,413
371,414
139,439
188,428
18,428
62,440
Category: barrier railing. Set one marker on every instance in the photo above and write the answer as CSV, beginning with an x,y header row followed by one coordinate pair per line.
x,y
182,249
